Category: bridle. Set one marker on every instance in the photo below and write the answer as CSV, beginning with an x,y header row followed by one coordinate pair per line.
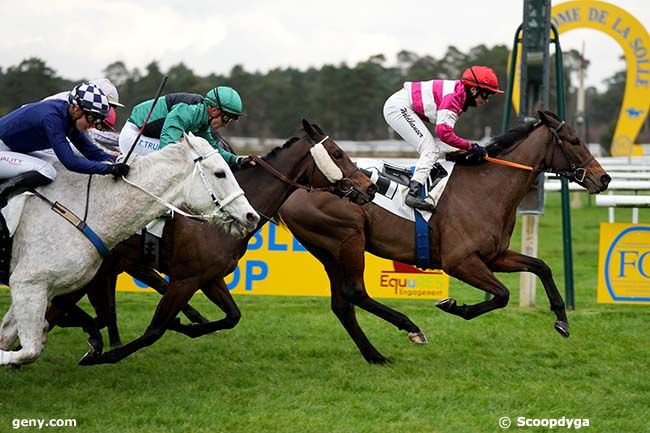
x,y
575,172
342,184
224,202
220,204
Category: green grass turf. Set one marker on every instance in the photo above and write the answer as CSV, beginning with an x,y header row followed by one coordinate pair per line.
x,y
290,367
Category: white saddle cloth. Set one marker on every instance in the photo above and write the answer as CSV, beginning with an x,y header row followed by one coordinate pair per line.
x,y
394,199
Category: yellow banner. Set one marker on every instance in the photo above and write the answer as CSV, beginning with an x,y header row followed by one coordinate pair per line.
x,y
276,264
624,263
633,38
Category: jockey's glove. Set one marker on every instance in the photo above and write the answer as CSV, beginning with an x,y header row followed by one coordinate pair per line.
x,y
477,151
244,161
118,170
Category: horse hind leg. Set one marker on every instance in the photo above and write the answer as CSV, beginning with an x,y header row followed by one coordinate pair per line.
x,y
29,304
511,261
475,272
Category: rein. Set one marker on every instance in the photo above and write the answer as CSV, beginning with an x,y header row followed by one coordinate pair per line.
x,y
309,188
575,172
220,204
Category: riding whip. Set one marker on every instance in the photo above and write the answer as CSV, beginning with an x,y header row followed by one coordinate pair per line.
x,y
507,163
158,92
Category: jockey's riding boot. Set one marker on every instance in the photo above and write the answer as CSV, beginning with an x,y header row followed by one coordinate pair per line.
x,y
19,184
414,200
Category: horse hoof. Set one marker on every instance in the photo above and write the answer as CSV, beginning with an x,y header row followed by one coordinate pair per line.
x,y
418,338
563,328
90,358
96,345
447,304
379,360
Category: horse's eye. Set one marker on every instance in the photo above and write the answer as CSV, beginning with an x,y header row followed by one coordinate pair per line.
x,y
220,174
338,154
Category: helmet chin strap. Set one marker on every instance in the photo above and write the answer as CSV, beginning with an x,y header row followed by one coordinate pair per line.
x,y
470,101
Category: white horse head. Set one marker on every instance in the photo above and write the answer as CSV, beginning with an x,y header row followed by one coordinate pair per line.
x,y
51,257
213,184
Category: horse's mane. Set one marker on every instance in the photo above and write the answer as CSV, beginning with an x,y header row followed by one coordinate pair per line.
x,y
274,152
513,135
499,144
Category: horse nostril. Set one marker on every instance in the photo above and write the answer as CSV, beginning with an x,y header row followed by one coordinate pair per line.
x,y
372,189
251,217
605,179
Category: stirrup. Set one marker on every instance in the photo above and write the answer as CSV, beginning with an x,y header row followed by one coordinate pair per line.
x,y
419,203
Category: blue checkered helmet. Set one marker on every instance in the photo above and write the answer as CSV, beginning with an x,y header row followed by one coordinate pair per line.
x,y
89,98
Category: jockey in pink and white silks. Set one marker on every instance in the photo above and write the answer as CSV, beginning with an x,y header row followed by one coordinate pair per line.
x,y
440,102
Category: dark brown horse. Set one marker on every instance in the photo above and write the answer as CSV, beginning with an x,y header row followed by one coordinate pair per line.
x,y
198,257
470,231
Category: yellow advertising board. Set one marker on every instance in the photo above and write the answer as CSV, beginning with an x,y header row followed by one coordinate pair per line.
x,y
624,263
633,38
277,264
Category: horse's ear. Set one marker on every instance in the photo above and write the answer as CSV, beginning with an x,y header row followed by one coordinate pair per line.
x,y
309,130
188,139
543,117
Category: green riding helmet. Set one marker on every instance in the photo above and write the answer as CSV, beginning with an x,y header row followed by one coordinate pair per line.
x,y
225,99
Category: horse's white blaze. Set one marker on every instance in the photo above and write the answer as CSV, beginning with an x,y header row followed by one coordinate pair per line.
x,y
50,257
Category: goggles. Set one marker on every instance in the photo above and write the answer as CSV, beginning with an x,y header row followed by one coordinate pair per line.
x,y
485,94
95,120
226,118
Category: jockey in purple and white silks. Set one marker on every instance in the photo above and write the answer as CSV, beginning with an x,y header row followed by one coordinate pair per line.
x,y
440,102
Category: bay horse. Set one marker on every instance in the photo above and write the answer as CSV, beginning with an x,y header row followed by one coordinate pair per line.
x,y
469,232
51,257
198,256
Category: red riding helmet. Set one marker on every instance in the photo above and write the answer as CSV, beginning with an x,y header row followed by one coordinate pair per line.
x,y
482,77
110,120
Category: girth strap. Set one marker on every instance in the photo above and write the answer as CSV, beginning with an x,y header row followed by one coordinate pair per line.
x,y
80,225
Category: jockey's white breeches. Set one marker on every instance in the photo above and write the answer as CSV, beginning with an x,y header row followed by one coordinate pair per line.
x,y
15,163
400,116
145,144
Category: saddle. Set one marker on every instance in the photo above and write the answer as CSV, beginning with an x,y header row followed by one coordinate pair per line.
x,y
152,248
401,176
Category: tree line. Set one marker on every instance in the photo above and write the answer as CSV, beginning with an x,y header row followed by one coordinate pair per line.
x,y
346,101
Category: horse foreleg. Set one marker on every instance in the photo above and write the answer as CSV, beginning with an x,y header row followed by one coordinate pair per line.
x,y
170,304
475,272
101,295
511,261
56,311
29,304
76,317
150,277
217,292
